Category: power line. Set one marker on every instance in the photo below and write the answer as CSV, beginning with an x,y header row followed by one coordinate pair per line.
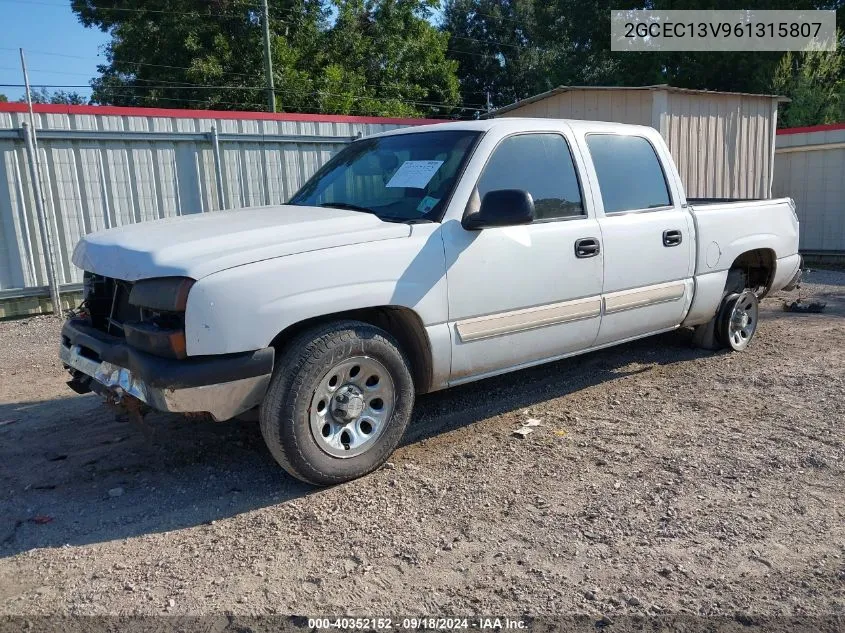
x,y
245,5
242,104
235,74
261,106
183,84
128,10
498,43
119,61
288,12
186,84
315,93
44,70
116,61
498,17
133,90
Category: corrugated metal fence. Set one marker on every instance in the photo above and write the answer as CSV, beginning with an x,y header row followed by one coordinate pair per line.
x,y
810,167
106,167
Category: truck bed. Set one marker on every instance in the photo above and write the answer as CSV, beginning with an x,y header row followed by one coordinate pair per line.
x,y
727,228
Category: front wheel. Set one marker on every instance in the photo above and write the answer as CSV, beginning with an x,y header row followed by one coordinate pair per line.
x,y
338,403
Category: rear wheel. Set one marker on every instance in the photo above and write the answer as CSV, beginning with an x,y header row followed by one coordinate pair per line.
x,y
738,320
338,403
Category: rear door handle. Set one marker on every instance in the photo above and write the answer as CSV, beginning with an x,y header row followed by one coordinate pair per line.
x,y
672,237
587,247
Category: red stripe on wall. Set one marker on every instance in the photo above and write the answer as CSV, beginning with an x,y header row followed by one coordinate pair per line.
x,y
812,128
210,114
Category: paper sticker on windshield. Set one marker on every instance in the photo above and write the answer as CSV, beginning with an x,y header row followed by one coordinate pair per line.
x,y
427,204
415,173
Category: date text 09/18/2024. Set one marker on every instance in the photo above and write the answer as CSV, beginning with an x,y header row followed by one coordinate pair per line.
x,y
417,623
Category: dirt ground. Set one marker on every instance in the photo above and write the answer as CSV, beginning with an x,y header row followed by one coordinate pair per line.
x,y
662,480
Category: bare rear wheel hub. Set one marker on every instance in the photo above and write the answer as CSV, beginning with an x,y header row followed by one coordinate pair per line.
x,y
742,322
351,406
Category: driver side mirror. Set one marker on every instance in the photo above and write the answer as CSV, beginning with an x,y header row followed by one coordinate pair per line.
x,y
504,207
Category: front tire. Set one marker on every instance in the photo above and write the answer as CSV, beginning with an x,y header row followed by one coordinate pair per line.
x,y
338,404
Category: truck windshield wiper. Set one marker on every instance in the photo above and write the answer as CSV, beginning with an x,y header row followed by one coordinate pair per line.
x,y
391,218
384,218
347,205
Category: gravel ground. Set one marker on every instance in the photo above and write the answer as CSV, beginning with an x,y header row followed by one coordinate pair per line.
x,y
662,480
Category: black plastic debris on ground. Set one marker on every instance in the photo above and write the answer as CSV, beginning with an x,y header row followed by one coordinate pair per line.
x,y
812,307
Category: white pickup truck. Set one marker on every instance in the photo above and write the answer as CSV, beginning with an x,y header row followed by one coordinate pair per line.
x,y
413,261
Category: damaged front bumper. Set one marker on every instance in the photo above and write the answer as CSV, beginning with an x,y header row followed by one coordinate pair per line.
x,y
223,386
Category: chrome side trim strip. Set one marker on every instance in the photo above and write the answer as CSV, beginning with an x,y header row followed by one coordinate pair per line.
x,y
556,313
551,359
646,296
528,318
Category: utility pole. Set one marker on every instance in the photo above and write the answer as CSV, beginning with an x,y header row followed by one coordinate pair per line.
x,y
35,174
268,61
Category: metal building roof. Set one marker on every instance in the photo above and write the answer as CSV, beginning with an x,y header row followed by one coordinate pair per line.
x,y
656,87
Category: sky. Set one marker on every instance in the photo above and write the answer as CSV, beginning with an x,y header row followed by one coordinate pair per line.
x,y
41,27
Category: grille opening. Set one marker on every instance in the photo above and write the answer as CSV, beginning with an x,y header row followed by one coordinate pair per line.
x,y
90,354
108,307
107,300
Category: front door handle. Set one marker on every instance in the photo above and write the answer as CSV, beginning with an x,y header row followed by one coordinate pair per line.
x,y
587,247
672,237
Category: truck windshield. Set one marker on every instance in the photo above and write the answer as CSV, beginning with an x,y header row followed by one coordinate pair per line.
x,y
399,178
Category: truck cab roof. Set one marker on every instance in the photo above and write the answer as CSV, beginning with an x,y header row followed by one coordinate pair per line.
x,y
516,124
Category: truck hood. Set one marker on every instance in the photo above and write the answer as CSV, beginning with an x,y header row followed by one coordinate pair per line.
x,y
198,245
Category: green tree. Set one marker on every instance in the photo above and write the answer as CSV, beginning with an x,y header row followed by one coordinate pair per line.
x,y
166,52
59,97
385,57
499,48
517,48
3,98
356,56
815,82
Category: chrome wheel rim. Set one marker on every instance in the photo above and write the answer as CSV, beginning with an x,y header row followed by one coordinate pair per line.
x,y
742,322
351,406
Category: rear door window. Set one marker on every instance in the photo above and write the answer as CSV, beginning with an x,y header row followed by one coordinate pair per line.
x,y
629,173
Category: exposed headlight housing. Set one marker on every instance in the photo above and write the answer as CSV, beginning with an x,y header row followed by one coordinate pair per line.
x,y
161,330
165,294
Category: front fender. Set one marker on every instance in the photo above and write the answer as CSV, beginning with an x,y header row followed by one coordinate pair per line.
x,y
245,307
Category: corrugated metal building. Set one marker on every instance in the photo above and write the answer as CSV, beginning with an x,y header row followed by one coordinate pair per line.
x,y
722,142
106,166
810,167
